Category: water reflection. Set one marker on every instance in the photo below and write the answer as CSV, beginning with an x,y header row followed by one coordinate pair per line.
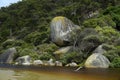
x,y
6,74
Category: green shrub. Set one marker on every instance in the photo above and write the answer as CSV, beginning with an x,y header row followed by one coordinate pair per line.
x,y
27,51
49,48
8,43
115,63
93,38
22,47
91,23
102,21
118,50
107,21
112,52
86,32
89,43
71,57
46,56
14,43
108,33
117,42
108,47
114,11
88,40
37,37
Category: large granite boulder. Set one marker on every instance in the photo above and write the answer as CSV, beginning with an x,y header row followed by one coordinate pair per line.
x,y
24,60
63,30
8,55
97,60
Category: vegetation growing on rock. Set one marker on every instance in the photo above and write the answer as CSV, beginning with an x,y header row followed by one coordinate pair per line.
x,y
26,26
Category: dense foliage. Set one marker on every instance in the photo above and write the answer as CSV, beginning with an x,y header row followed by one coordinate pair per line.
x,y
71,57
26,26
24,17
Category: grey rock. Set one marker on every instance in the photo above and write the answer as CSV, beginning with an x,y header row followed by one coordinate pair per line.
x,y
24,60
50,62
99,49
8,55
37,62
97,60
73,64
58,63
63,30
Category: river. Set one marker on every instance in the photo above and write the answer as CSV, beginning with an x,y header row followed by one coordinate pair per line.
x,y
57,73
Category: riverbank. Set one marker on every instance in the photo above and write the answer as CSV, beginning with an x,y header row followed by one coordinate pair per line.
x,y
56,73
38,68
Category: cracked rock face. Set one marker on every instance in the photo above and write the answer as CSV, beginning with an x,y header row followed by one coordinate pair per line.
x,y
62,30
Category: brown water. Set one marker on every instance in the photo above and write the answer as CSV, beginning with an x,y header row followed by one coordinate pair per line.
x,y
84,74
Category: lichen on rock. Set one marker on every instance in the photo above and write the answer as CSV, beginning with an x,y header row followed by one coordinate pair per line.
x,y
62,30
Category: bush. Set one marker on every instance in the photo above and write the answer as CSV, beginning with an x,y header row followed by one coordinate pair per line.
x,y
112,52
46,56
22,47
108,47
27,51
102,21
88,40
117,42
8,43
37,37
115,63
49,48
93,38
108,32
86,32
14,43
91,23
114,11
71,57
89,43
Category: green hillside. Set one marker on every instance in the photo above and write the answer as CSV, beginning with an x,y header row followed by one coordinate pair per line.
x,y
26,26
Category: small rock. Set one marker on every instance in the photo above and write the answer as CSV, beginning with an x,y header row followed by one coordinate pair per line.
x,y
24,60
58,63
50,62
37,62
73,64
